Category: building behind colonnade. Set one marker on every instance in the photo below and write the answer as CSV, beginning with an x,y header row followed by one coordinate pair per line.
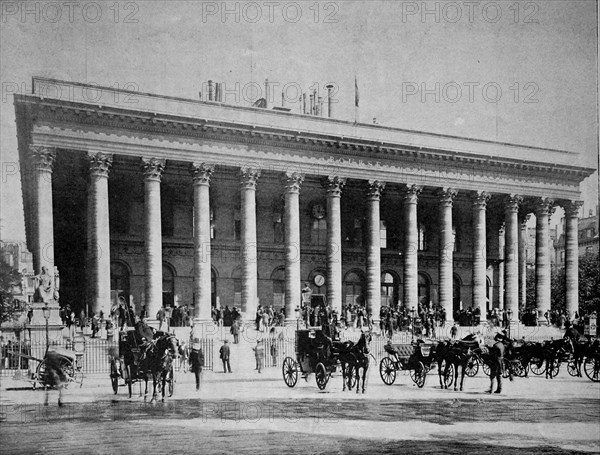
x,y
192,202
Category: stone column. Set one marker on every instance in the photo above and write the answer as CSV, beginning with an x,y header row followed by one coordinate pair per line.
x,y
99,235
42,160
375,187
543,211
411,246
572,257
292,181
446,251
201,174
523,239
248,178
511,255
480,253
501,246
153,169
334,187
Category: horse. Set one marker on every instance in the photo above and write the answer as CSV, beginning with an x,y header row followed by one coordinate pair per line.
x,y
54,375
554,352
457,354
355,359
158,360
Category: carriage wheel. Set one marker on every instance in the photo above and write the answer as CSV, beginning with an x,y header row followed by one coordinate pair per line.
x,y
351,377
419,374
114,376
572,368
40,374
171,382
472,366
68,369
290,372
448,375
387,371
591,367
518,367
129,380
555,368
485,368
321,376
537,366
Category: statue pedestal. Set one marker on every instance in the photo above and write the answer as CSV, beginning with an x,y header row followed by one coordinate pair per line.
x,y
38,314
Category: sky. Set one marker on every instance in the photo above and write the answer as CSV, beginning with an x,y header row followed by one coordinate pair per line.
x,y
521,72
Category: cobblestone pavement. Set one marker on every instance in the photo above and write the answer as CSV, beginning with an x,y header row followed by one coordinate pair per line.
x,y
247,412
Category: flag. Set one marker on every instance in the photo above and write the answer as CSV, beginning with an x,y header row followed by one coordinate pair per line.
x,y
356,95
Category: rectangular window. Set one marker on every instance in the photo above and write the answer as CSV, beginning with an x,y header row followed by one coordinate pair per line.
x,y
382,234
318,234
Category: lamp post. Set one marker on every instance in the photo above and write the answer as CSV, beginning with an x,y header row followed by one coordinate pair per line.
x,y
46,312
509,314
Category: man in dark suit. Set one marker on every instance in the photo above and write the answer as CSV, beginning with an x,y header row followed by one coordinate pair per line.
x,y
196,361
224,354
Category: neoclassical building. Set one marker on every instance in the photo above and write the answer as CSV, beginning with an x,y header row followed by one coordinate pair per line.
x,y
187,202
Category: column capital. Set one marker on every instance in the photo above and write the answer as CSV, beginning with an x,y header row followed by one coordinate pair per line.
x,y
411,193
374,189
480,199
292,181
153,168
572,208
42,157
202,172
512,202
544,206
334,185
248,177
446,196
100,163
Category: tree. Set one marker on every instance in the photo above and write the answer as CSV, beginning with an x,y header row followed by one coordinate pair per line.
x,y
589,283
9,279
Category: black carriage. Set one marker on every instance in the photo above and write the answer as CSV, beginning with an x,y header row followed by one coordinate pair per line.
x,y
314,354
125,364
415,357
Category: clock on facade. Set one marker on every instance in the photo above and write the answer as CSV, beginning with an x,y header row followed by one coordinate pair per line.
x,y
319,280
318,211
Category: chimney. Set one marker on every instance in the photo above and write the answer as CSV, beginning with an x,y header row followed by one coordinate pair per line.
x,y
267,93
304,103
320,113
210,90
282,99
312,104
329,102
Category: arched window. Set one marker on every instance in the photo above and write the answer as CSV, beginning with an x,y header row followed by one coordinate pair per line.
x,y
424,289
168,285
456,284
319,232
278,281
422,237
389,289
119,279
353,288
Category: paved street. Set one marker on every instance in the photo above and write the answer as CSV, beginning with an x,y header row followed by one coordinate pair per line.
x,y
250,413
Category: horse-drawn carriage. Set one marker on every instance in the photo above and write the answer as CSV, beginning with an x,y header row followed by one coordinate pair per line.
x,y
314,354
68,362
415,357
134,362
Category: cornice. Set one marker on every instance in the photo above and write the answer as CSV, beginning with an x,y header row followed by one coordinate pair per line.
x,y
124,119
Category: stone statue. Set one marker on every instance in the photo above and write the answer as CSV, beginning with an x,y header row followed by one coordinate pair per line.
x,y
44,292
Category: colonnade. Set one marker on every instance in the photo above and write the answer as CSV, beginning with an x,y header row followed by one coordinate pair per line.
x,y
43,158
